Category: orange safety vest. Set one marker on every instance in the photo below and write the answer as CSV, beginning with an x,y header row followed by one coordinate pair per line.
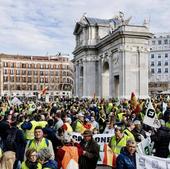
x,y
71,153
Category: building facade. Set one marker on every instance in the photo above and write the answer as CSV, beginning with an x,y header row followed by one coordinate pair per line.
x,y
28,75
111,58
159,63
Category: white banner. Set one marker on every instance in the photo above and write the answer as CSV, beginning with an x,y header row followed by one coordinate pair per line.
x,y
150,117
100,138
16,101
145,146
151,162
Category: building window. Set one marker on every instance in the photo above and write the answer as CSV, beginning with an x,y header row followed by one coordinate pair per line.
x,y
18,87
152,70
12,79
159,56
5,71
153,42
12,71
166,63
29,72
152,56
5,64
23,65
159,70
35,72
166,55
5,87
152,63
41,72
159,42
17,79
166,70
12,65
166,41
5,78
17,72
29,79
159,63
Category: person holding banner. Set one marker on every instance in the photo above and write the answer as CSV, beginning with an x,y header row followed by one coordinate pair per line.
x,y
126,159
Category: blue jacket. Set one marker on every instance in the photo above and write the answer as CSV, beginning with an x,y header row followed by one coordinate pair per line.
x,y
51,164
125,160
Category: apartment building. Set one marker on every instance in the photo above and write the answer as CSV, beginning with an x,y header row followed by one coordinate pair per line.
x,y
159,63
28,75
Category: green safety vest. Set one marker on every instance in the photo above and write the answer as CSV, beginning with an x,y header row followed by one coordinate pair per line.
x,y
43,144
116,146
129,134
23,166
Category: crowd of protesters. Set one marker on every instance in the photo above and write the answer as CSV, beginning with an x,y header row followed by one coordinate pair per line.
x,y
41,138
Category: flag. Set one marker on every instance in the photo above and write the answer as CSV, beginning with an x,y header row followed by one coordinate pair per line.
x,y
150,117
44,90
107,157
133,101
164,106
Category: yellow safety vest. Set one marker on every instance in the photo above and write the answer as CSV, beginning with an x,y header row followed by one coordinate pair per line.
x,y
69,128
79,127
43,144
116,146
167,124
29,134
129,134
23,166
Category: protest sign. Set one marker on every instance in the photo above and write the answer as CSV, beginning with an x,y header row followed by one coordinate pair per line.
x,y
100,138
151,162
150,117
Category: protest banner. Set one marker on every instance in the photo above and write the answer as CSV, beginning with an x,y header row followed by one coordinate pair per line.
x,y
100,138
16,101
151,162
145,146
150,117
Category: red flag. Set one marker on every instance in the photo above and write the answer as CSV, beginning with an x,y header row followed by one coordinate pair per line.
x,y
44,90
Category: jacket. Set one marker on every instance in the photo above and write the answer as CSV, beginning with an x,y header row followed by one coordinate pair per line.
x,y
125,160
90,158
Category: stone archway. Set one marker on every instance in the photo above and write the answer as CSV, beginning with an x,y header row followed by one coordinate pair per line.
x,y
105,80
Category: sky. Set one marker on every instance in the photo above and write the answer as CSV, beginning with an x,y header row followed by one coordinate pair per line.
x,y
45,27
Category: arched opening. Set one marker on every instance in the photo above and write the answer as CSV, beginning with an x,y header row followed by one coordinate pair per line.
x,y
105,80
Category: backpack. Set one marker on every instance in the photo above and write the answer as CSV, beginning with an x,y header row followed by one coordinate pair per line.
x,y
10,142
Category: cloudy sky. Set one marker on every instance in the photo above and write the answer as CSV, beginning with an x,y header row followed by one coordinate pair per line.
x,y
45,27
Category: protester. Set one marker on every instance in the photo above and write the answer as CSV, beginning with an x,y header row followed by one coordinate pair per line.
x,y
39,142
68,154
126,159
44,157
90,151
31,160
118,141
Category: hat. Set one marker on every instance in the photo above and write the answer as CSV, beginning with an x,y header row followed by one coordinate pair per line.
x,y
87,133
136,122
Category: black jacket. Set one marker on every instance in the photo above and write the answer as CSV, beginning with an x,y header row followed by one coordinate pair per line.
x,y
161,140
90,158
